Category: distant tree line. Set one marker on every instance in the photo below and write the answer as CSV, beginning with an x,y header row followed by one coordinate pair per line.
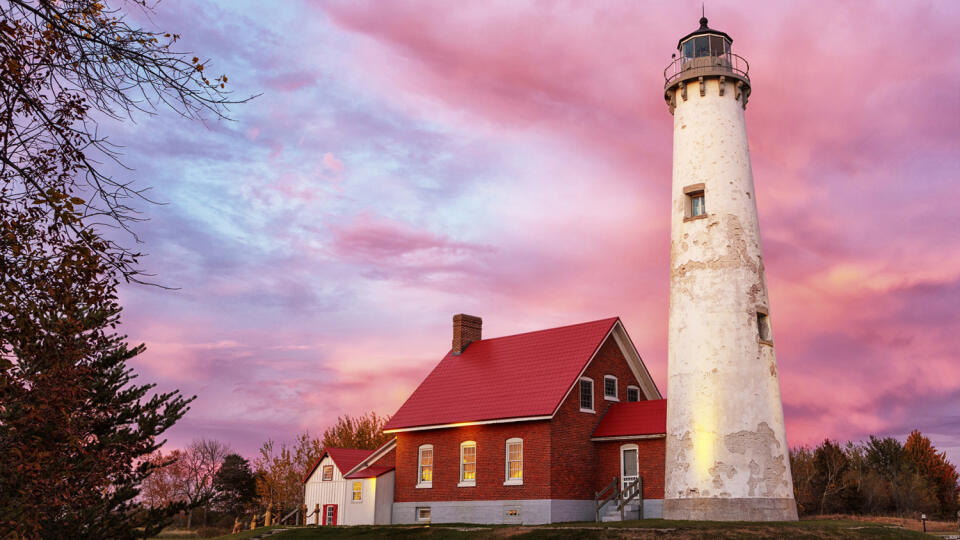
x,y
879,476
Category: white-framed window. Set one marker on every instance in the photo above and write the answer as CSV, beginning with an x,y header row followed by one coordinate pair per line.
x,y
468,464
423,513
357,490
327,473
425,467
514,462
610,392
633,393
586,394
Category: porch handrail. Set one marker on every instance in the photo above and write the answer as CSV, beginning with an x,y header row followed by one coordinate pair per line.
x,y
599,500
633,490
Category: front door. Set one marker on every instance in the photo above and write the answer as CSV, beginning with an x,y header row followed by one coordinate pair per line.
x,y
629,466
329,514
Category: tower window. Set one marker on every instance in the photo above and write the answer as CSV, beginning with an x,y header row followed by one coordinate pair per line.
x,y
695,204
763,327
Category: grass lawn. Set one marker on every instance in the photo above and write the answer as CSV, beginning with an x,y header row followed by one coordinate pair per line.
x,y
650,528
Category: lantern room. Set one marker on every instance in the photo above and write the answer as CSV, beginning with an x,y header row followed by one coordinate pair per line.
x,y
705,52
704,42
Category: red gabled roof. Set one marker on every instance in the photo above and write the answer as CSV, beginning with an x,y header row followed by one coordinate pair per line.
x,y
508,377
344,458
634,418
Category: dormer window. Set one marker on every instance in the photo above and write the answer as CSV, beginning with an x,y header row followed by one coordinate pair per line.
x,y
610,388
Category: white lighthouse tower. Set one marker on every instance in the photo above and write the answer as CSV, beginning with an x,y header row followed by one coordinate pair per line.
x,y
727,456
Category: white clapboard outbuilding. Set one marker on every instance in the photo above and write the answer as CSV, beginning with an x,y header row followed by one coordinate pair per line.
x,y
352,487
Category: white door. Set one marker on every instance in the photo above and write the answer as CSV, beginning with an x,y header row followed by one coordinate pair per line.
x,y
629,466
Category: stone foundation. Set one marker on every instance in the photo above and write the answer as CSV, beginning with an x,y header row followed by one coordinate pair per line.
x,y
730,509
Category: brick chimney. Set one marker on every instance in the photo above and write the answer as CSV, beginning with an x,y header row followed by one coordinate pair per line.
x,y
466,329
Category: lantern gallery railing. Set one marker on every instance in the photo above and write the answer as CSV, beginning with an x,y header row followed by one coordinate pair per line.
x,y
724,64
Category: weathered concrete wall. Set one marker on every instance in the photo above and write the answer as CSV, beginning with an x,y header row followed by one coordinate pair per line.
x,y
725,431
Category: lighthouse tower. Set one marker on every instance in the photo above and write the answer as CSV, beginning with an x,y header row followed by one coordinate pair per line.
x,y
726,444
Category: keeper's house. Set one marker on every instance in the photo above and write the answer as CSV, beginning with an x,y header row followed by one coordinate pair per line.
x,y
351,487
528,428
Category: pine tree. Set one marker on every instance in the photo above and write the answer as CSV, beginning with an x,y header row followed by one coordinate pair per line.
x,y
75,428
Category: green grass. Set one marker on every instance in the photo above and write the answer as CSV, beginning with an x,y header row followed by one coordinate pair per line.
x,y
650,528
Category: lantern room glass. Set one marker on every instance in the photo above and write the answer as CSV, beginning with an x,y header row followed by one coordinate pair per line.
x,y
706,45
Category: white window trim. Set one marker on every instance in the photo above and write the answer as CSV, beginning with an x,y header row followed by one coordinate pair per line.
x,y
418,518
433,461
630,446
616,388
507,480
462,482
593,392
633,387
352,491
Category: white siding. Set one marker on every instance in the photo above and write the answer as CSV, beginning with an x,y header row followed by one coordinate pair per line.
x,y
333,492
359,513
375,503
383,513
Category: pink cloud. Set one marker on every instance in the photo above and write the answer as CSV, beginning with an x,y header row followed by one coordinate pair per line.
x,y
331,162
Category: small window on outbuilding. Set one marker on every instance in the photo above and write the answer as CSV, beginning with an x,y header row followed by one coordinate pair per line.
x,y
357,491
633,393
763,327
327,473
610,388
695,202
586,394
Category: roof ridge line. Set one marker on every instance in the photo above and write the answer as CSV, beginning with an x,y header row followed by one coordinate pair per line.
x,y
616,317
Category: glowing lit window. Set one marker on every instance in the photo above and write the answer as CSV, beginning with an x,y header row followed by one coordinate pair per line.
x,y
514,462
425,466
327,473
586,394
633,393
468,463
610,388
357,491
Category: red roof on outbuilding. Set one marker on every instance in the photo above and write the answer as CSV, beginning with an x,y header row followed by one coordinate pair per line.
x,y
372,471
344,458
634,418
508,377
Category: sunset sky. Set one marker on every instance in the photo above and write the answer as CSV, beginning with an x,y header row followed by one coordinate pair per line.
x,y
406,161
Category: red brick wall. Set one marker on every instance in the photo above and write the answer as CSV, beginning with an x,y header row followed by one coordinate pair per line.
x,y
651,457
491,468
574,455
387,459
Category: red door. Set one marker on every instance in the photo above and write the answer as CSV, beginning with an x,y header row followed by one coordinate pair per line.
x,y
329,514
